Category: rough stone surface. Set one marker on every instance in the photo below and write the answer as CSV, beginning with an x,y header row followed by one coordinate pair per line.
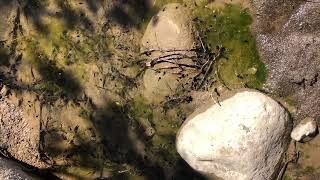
x,y
7,10
10,170
4,90
305,130
244,138
170,29
287,33
18,136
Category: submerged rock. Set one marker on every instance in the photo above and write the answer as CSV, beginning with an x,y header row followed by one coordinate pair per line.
x,y
170,29
169,36
305,130
9,170
243,137
19,134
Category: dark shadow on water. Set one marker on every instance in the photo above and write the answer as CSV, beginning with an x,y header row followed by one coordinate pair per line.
x,y
93,5
118,15
67,14
55,80
120,140
118,149
130,12
86,22
33,10
184,171
4,57
4,4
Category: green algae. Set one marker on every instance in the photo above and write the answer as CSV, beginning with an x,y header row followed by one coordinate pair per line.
x,y
59,48
230,28
140,109
55,81
286,177
290,100
65,38
309,169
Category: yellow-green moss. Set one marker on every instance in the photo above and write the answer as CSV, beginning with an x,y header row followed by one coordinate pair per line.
x,y
290,100
230,28
140,109
309,170
286,177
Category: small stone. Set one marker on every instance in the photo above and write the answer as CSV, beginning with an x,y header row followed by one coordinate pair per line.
x,y
252,70
4,91
149,131
305,130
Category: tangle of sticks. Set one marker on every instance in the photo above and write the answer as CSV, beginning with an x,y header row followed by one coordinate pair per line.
x,y
203,61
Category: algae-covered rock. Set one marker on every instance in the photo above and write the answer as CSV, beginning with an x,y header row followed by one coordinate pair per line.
x,y
243,137
168,35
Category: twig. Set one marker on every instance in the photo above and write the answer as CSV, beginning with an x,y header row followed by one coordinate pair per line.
x,y
134,62
180,64
202,45
220,79
168,67
201,70
167,58
175,100
294,159
171,56
218,55
168,50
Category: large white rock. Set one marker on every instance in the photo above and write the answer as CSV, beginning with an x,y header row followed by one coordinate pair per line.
x,y
244,138
305,131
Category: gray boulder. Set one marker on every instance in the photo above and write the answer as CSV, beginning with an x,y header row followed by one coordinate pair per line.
x,y
287,33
